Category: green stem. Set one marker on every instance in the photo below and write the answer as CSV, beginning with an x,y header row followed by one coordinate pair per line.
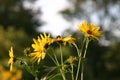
x,y
78,69
87,42
84,55
52,77
79,54
58,65
61,56
79,57
55,60
63,76
82,71
72,72
52,59
62,65
36,78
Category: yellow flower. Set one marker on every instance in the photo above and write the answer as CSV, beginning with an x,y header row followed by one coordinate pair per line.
x,y
40,45
68,39
12,59
71,59
90,30
7,75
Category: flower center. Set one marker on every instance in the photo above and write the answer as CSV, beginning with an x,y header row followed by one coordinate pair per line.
x,y
40,51
89,32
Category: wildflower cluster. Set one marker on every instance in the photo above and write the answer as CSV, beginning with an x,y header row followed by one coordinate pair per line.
x,y
45,41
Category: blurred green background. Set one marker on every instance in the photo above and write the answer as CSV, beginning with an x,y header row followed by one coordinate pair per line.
x,y
18,25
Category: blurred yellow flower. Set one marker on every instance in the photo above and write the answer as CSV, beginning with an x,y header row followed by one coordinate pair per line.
x,y
12,59
7,75
40,45
90,30
68,39
71,59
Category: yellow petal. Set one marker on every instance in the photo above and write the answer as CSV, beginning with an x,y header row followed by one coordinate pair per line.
x,y
43,55
11,52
